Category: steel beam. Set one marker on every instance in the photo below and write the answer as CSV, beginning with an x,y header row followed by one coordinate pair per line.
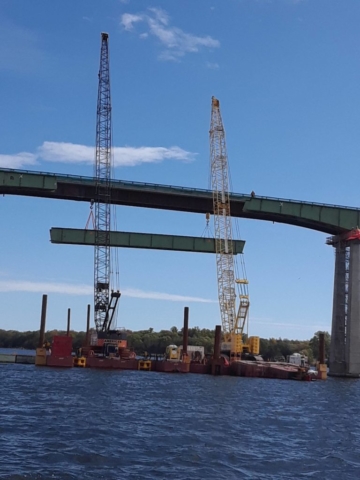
x,y
72,236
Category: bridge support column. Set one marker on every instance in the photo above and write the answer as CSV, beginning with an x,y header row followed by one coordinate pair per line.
x,y
345,332
352,351
338,327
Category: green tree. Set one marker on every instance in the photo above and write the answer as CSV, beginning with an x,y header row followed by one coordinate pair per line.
x,y
156,342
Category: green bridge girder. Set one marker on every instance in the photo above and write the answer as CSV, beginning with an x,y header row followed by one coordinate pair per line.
x,y
330,219
73,236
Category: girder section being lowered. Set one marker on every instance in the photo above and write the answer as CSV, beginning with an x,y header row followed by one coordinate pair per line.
x,y
73,236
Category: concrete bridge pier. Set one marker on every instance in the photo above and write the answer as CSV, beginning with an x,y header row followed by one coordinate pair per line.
x,y
338,327
345,331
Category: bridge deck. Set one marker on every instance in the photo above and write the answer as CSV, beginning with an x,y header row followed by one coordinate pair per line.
x,y
330,219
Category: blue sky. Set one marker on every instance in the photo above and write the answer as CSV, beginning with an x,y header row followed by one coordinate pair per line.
x,y
287,75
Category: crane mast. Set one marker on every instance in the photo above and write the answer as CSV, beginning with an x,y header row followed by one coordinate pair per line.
x,y
105,303
233,321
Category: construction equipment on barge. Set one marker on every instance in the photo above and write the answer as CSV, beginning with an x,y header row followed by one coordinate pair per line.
x,y
105,299
108,342
60,355
233,320
107,347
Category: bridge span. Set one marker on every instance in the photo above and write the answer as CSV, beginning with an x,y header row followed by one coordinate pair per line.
x,y
330,219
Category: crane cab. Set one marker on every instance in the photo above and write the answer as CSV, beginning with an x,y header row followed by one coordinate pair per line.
x,y
172,353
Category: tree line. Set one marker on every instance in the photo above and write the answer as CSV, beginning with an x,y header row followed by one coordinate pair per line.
x,y
156,342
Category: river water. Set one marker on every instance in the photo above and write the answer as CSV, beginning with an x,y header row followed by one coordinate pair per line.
x,y
88,424
17,351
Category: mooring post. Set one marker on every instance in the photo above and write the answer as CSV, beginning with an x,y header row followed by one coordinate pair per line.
x,y
321,366
186,331
43,321
68,323
87,339
40,357
322,347
216,361
217,343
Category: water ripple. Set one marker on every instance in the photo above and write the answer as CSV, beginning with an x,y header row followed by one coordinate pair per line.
x,y
67,424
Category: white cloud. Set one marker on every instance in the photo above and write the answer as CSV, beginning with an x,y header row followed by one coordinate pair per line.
x,y
164,296
85,290
40,287
289,324
123,156
176,42
130,156
18,160
63,152
128,20
213,66
66,152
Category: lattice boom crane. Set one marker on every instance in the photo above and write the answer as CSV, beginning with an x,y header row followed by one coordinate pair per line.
x,y
105,303
233,321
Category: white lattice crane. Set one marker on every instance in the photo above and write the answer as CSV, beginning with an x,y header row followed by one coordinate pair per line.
x,y
233,319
